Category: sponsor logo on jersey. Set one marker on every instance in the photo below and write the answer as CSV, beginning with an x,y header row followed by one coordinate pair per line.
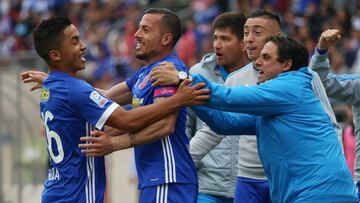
x,y
136,102
165,91
98,99
45,95
144,81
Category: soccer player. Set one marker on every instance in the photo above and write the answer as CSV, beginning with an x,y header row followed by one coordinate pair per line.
x,y
297,142
341,87
71,108
165,169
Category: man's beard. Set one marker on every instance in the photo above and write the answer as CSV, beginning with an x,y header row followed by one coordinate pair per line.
x,y
140,56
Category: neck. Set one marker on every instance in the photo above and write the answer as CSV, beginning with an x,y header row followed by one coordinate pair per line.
x,y
157,57
241,63
62,69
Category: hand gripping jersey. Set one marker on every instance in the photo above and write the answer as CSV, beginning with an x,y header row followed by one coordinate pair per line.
x,y
71,108
166,160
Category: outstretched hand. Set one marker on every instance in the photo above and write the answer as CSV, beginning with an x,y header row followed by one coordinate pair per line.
x,y
192,95
164,74
98,144
328,38
33,76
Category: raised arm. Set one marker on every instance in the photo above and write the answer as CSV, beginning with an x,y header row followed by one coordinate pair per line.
x,y
342,87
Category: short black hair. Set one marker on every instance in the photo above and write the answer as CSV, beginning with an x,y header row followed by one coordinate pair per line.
x,y
233,20
48,35
170,21
290,48
265,14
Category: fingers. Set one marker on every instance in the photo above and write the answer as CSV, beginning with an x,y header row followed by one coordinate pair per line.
x,y
89,146
24,75
35,87
154,71
89,139
332,35
91,149
154,78
97,133
27,80
92,152
198,86
328,38
202,97
186,82
156,83
167,64
199,100
203,92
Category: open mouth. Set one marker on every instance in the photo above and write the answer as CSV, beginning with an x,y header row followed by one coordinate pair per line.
x,y
251,48
82,57
138,45
219,55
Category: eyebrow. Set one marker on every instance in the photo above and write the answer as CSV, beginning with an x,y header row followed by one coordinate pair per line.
x,y
255,26
145,26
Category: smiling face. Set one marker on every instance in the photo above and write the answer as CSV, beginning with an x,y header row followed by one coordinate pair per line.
x,y
228,48
148,37
268,64
256,30
72,50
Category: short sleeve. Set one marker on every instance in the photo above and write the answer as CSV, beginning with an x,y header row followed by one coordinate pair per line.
x,y
130,82
90,104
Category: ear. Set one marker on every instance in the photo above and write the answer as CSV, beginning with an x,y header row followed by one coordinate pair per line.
x,y
54,55
278,34
166,39
287,65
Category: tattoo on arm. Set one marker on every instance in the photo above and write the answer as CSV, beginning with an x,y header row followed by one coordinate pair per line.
x,y
132,139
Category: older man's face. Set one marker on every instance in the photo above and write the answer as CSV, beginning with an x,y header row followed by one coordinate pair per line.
x,y
268,64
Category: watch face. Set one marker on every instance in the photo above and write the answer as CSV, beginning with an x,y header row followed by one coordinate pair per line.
x,y
182,75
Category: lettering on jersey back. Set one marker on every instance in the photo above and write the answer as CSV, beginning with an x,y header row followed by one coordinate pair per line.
x,y
53,174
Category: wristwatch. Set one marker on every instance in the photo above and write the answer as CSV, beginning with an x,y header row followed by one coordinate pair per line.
x,y
182,75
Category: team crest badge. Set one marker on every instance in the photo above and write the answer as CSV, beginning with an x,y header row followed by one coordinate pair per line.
x,y
45,95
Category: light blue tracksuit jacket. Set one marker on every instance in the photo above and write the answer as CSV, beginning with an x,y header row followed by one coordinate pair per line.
x,y
297,143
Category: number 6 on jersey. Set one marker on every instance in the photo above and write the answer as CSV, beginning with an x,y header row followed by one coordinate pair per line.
x,y
50,136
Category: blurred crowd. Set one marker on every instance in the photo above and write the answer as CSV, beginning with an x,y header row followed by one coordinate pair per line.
x,y
108,27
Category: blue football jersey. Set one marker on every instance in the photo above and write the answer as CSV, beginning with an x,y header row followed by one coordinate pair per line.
x,y
166,160
71,108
